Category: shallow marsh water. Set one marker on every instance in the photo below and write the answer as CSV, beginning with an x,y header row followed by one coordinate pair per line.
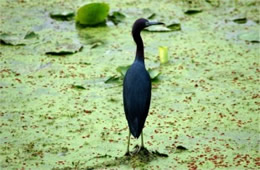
x,y
58,112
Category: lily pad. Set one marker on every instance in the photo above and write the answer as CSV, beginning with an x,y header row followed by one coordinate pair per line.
x,y
10,39
252,36
181,148
154,74
240,20
30,35
113,79
62,16
159,154
96,44
151,16
65,49
148,13
79,87
17,39
116,17
175,26
158,28
84,63
192,11
92,14
122,69
215,3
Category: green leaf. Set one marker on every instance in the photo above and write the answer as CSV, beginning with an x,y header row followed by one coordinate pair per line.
x,y
122,69
181,149
116,17
154,74
17,39
174,26
96,44
252,36
151,16
148,13
62,16
160,154
31,34
192,11
65,49
10,39
92,14
157,28
78,87
240,20
84,63
113,79
215,3
59,52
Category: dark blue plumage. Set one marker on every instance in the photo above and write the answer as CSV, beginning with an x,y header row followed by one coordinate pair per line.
x,y
137,85
137,96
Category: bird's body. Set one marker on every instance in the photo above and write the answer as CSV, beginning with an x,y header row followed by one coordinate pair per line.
x,y
137,85
137,97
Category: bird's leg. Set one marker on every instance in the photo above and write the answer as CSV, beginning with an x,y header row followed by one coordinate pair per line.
x,y
142,140
142,149
128,143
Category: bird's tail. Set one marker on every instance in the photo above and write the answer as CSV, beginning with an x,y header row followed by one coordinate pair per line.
x,y
135,128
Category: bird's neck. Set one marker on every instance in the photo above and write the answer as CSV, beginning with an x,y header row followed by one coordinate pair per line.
x,y
139,47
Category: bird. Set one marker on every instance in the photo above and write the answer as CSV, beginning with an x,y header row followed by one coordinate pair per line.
x,y
137,86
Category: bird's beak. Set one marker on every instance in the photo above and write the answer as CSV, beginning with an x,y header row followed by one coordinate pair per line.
x,y
153,23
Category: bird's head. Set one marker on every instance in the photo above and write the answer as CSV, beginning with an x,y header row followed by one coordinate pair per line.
x,y
142,23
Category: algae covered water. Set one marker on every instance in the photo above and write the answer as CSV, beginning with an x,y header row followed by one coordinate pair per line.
x,y
58,111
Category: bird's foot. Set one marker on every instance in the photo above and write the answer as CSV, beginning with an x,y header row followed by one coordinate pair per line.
x,y
143,150
138,150
127,153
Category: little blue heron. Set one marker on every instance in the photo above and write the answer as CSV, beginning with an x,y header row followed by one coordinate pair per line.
x,y
137,86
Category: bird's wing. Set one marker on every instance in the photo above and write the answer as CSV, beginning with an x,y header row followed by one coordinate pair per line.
x,y
137,96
